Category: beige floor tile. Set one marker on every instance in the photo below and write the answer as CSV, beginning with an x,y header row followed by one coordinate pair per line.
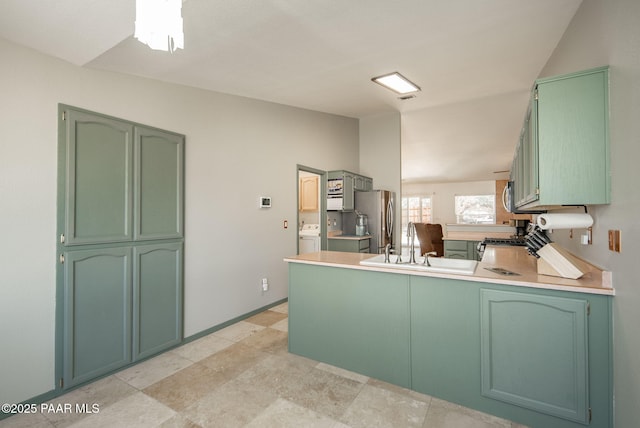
x,y
202,348
26,420
381,408
269,340
443,414
232,361
231,405
238,331
103,393
282,325
153,370
274,374
285,414
399,390
324,392
183,388
179,421
342,372
282,307
138,410
266,318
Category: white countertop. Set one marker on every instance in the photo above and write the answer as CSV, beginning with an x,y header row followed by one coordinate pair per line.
x,y
515,259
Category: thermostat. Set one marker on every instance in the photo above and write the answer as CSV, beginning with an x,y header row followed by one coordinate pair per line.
x,y
265,201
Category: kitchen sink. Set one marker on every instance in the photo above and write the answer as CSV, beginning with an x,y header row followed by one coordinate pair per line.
x,y
438,264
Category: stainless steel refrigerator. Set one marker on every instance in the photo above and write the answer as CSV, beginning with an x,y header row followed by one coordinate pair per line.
x,y
379,206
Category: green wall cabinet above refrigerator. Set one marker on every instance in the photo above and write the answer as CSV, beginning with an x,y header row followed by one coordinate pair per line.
x,y
120,244
562,157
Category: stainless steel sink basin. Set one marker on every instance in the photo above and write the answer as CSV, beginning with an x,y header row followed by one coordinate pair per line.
x,y
438,264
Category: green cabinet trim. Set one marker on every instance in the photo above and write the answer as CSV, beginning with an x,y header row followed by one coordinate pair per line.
x,y
461,249
349,245
534,352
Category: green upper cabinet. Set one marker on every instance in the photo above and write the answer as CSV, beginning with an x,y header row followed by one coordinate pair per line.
x,y
158,184
124,182
563,154
99,181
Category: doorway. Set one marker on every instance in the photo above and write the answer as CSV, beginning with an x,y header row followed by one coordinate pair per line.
x,y
311,210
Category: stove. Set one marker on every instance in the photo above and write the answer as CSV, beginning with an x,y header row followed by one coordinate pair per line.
x,y
513,241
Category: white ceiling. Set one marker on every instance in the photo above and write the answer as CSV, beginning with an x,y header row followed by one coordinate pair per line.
x,y
475,61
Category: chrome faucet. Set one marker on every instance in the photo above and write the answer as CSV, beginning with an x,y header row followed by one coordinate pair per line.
x,y
426,257
411,236
387,251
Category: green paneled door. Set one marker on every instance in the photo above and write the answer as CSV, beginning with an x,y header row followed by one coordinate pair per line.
x,y
97,322
534,352
99,179
157,298
120,228
159,183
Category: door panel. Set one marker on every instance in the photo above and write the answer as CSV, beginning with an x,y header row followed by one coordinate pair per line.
x,y
157,298
99,179
159,184
97,321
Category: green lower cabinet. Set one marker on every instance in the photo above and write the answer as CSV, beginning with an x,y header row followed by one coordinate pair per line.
x,y
349,245
157,298
97,320
534,352
541,358
532,356
122,304
460,249
351,319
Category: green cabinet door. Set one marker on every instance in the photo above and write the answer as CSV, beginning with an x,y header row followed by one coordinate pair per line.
x,y
97,320
352,319
157,298
99,179
159,184
534,352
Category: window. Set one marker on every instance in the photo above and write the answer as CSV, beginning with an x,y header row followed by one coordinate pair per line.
x,y
415,209
476,209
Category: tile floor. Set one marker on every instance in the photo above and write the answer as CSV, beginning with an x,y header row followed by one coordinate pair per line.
x,y
243,376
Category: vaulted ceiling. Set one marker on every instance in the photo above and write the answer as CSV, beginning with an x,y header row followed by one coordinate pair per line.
x,y
475,61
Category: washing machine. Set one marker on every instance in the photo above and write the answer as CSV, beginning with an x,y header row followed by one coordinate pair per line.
x,y
309,239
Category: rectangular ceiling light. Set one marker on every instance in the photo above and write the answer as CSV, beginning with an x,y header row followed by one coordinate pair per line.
x,y
397,83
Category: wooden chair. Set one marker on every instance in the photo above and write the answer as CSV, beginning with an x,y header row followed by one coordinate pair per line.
x,y
430,237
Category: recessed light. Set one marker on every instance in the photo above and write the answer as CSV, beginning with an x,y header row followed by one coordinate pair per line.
x,y
397,83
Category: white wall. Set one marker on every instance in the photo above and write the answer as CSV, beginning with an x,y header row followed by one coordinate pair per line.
x,y
443,196
601,33
237,149
380,142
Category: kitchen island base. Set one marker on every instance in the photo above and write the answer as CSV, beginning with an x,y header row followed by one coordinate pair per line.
x,y
427,333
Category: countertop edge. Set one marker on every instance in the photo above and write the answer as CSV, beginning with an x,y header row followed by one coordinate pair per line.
x,y
352,260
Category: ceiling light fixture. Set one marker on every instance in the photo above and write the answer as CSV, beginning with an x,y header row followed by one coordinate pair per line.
x,y
397,83
159,24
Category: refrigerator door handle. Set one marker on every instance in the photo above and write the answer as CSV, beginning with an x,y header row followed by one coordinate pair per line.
x,y
390,218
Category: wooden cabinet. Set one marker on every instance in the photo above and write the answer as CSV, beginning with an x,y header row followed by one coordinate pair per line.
x,y
121,232
460,249
562,157
534,352
308,194
349,245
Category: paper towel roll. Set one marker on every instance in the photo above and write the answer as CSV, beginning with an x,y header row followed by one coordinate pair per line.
x,y
564,221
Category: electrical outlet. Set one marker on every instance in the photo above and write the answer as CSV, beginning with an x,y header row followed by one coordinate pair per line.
x,y
614,240
265,284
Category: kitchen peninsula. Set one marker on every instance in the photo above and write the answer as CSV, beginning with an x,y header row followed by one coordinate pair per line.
x,y
531,348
